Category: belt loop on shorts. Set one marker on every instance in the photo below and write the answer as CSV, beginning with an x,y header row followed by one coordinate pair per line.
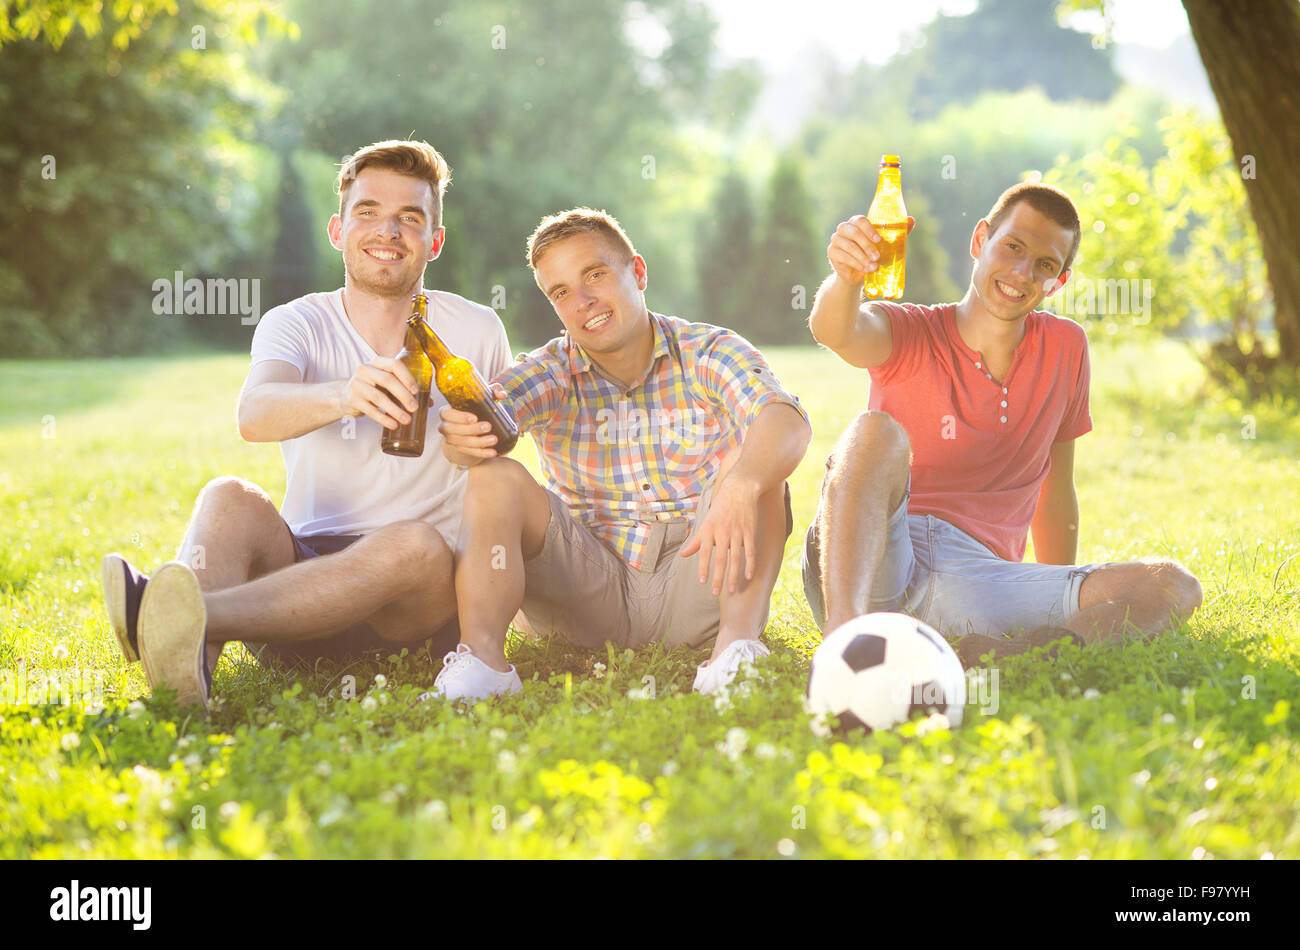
x,y
653,545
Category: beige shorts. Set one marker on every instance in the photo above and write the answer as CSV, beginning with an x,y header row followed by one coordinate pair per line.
x,y
580,589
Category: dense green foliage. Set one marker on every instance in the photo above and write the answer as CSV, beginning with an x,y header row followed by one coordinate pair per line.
x,y
213,153
1181,747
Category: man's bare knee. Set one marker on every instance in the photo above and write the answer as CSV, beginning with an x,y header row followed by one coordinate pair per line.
x,y
415,549
1178,588
872,447
494,478
230,495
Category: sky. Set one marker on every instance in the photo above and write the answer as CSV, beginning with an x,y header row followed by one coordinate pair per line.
x,y
853,29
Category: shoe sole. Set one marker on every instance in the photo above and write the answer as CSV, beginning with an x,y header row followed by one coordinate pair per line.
x,y
171,634
113,572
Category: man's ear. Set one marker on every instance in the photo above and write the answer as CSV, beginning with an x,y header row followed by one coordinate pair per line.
x,y
1058,283
642,275
335,230
439,236
978,237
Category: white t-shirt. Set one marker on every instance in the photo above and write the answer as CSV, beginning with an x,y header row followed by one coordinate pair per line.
x,y
338,481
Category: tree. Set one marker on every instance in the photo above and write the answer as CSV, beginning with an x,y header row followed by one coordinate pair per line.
x,y
536,109
789,260
1251,54
293,263
1001,46
128,180
725,252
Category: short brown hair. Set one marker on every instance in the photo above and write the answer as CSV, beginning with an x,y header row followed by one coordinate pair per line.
x,y
565,224
1049,201
416,159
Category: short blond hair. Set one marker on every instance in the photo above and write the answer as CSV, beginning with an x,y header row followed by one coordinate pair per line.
x,y
416,159
565,224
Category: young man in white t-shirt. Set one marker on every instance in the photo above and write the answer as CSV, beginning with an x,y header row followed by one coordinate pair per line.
x,y
359,558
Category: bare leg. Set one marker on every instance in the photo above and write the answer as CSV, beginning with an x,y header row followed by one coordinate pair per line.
x,y
1144,596
506,514
866,483
743,615
398,578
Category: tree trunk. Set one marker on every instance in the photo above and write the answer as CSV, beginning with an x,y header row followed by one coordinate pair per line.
x,y
1251,53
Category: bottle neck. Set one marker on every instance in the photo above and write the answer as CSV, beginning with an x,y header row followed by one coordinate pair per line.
x,y
891,178
433,346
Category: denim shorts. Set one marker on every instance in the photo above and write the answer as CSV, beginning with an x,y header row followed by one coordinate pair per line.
x,y
941,575
360,641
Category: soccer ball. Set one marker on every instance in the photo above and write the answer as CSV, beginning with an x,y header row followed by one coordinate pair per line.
x,y
879,669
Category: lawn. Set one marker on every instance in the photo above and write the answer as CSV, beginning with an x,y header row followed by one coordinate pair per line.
x,y
1176,748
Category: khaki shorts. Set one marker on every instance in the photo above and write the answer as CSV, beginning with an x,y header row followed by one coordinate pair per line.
x,y
580,589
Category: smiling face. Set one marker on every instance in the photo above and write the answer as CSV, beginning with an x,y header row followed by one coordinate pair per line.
x,y
598,294
1018,265
387,233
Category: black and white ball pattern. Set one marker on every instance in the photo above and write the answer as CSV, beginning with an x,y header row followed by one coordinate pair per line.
x,y
880,669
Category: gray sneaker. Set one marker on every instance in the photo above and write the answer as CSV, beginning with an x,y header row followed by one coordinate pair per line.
x,y
123,588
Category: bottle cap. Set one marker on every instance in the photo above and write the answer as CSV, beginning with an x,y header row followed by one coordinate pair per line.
x,y
889,161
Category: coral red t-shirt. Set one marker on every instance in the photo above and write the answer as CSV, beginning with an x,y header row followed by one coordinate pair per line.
x,y
980,448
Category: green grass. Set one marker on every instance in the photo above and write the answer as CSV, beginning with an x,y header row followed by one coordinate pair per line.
x,y
1177,748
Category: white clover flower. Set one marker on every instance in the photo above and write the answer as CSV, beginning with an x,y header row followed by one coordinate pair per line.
x,y
228,811
370,704
497,734
598,670
733,746
60,651
70,741
765,750
1091,693
638,693
135,710
670,768
506,761
436,810
936,720
381,680
192,762
820,725
722,699
323,769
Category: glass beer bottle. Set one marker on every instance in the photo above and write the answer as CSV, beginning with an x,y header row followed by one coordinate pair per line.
x,y
462,386
408,440
888,216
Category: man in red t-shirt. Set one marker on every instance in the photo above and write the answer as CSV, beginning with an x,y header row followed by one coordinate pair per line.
x,y
967,445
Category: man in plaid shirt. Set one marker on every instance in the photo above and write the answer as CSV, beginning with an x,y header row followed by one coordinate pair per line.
x,y
664,448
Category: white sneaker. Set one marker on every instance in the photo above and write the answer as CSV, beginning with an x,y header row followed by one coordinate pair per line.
x,y
465,676
710,677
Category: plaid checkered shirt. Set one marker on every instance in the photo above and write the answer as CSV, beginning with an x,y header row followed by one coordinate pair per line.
x,y
625,459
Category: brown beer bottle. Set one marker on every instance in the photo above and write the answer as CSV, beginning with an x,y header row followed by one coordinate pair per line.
x,y
462,386
408,440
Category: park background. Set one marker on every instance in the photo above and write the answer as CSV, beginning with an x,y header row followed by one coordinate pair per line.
x,y
145,139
